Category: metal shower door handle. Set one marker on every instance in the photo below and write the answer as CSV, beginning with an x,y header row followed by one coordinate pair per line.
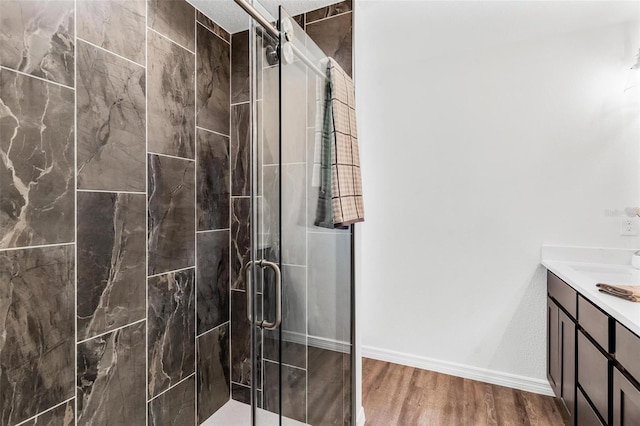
x,y
278,288
278,284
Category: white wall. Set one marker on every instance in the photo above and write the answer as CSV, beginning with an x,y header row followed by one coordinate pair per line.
x,y
487,129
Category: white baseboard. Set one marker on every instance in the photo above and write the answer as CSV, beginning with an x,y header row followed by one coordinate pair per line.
x,y
361,418
500,378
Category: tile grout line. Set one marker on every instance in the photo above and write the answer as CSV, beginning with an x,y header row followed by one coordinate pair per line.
x,y
171,156
112,192
172,386
103,49
35,247
209,29
38,78
326,18
212,329
104,333
75,210
171,272
284,364
212,131
24,422
212,230
146,219
230,211
196,281
170,40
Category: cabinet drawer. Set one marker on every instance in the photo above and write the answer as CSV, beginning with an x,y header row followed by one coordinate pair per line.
x,y
628,350
586,415
595,322
593,372
563,293
626,401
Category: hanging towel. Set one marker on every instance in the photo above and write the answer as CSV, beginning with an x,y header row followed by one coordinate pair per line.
x,y
627,292
340,194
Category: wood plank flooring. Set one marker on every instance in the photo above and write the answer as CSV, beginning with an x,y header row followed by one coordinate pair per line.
x,y
398,395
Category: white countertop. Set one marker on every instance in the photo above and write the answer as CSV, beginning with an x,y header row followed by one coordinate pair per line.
x,y
583,268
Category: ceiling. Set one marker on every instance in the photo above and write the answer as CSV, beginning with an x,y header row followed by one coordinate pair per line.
x,y
232,18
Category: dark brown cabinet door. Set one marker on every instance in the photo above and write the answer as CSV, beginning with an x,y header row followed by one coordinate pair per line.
x,y
567,339
553,347
626,401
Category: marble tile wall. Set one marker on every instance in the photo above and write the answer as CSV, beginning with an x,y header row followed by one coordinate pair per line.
x,y
115,223
124,133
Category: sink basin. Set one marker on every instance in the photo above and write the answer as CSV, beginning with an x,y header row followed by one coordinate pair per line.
x,y
612,274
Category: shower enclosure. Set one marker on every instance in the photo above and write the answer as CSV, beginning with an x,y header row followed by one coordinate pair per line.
x,y
158,259
291,298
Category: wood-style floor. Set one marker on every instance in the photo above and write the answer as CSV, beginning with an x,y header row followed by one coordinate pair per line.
x,y
398,395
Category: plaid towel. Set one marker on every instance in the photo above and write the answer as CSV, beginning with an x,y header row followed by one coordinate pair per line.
x,y
340,195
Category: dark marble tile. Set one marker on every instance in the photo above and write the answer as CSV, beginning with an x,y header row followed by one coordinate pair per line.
x,y
217,29
325,12
175,407
171,214
111,261
37,177
213,80
288,386
116,25
212,181
214,376
240,83
329,387
62,415
242,394
334,37
171,97
329,286
111,378
174,19
240,239
241,341
171,329
37,38
294,348
38,330
213,280
111,121
240,150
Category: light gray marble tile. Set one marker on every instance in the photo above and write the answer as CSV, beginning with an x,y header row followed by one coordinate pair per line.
x,y
175,19
116,25
213,80
38,330
176,407
213,176
37,182
111,261
62,415
212,280
37,38
171,217
111,121
171,331
111,378
171,97
214,375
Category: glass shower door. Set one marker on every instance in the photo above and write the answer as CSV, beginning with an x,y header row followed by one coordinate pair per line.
x,y
306,361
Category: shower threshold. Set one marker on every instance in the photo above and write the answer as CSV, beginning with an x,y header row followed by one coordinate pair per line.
x,y
235,413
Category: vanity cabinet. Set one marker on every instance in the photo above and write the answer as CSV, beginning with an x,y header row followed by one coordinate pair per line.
x,y
561,344
593,360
